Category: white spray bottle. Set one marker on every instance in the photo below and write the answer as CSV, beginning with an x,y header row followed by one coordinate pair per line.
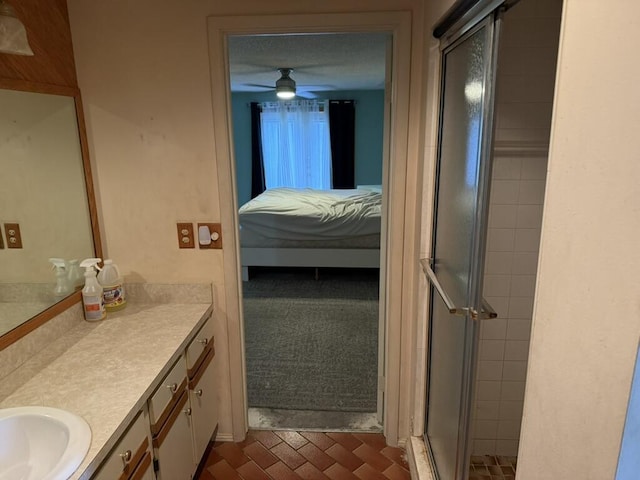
x,y
92,293
62,288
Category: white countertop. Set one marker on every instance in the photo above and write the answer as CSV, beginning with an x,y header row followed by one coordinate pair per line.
x,y
106,370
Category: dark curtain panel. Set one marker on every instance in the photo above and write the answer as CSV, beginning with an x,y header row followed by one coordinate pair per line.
x,y
342,129
257,164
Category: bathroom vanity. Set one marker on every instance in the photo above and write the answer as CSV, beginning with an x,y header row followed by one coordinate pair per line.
x,y
144,381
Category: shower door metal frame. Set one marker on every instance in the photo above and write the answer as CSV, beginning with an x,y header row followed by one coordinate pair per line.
x,y
477,307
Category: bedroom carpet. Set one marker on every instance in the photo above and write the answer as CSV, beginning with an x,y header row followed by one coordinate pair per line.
x,y
312,344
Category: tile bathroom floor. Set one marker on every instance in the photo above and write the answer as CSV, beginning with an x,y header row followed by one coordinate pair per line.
x,y
492,467
289,455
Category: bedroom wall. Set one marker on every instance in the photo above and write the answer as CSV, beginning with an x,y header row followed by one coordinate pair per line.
x,y
369,130
526,76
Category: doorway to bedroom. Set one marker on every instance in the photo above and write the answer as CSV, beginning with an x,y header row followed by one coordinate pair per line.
x,y
309,184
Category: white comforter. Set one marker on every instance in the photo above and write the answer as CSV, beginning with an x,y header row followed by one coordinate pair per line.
x,y
306,214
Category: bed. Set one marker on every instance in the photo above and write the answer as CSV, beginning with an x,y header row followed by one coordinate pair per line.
x,y
311,228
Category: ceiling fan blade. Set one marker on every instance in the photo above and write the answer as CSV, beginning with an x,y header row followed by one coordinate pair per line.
x,y
268,87
306,94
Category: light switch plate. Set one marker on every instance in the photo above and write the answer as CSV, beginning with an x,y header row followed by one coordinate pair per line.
x,y
12,231
185,235
215,229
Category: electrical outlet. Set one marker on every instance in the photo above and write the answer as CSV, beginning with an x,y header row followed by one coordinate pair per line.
x,y
212,239
185,235
12,230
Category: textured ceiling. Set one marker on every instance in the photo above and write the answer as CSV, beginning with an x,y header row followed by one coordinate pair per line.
x,y
320,62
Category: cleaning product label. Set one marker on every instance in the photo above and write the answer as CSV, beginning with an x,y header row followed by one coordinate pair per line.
x,y
93,308
114,296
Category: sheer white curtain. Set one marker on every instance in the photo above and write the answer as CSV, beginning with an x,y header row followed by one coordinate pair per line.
x,y
296,147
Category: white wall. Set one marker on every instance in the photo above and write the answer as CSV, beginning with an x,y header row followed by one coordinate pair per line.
x,y
586,319
526,74
143,69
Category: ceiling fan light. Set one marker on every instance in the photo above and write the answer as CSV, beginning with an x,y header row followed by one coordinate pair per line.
x,y
285,93
285,85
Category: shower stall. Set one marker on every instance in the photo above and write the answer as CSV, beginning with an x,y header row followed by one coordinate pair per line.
x,y
496,93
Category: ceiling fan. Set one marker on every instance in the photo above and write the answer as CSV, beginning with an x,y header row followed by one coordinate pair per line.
x,y
286,87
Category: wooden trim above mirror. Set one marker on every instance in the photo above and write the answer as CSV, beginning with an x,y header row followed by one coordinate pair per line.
x,y
43,317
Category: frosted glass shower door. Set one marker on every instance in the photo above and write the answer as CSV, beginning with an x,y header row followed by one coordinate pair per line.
x,y
455,269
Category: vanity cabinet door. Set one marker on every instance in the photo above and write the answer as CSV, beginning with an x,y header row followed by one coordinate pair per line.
x,y
128,454
173,445
204,406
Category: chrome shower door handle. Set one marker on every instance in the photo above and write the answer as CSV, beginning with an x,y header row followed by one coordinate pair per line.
x,y
433,279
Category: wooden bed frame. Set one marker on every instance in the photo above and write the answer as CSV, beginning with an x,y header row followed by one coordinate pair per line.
x,y
308,257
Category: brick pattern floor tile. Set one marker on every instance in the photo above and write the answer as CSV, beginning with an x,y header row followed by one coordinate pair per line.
x,y
284,455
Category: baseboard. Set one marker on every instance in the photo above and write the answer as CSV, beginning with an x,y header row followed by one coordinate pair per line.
x,y
418,460
224,437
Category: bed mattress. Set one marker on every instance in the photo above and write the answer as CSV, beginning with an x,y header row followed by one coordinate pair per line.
x,y
307,215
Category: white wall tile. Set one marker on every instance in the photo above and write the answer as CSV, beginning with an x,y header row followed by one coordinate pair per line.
x,y
491,350
511,410
483,447
498,263
508,429
514,371
516,350
512,392
504,192
494,329
529,216
501,239
503,216
518,329
487,410
489,391
534,168
531,192
489,370
485,428
522,285
527,240
507,448
505,168
520,307
524,263
497,285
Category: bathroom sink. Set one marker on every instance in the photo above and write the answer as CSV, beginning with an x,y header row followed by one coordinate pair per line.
x,y
41,443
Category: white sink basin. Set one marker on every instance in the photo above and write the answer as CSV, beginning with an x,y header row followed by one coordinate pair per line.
x,y
41,443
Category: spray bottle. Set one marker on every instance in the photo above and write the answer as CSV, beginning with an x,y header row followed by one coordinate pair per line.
x,y
92,293
113,285
62,288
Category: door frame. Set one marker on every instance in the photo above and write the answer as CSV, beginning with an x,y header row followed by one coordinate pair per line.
x,y
398,24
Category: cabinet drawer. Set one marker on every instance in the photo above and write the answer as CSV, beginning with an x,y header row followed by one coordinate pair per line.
x,y
166,395
127,454
197,349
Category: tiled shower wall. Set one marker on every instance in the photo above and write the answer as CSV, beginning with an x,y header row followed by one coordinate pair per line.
x,y
526,76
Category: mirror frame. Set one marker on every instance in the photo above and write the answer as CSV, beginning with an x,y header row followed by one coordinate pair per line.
x,y
67,302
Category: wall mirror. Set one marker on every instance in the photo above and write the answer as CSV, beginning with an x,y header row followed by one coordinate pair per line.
x,y
46,189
